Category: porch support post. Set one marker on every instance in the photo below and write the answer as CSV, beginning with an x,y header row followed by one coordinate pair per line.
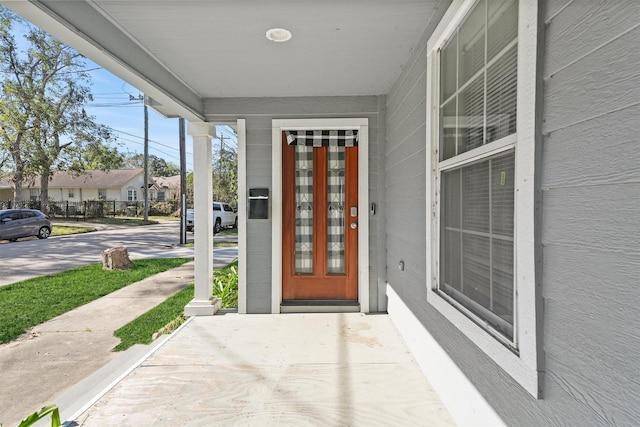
x,y
203,303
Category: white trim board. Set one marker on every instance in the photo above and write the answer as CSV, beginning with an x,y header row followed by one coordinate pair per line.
x,y
464,402
277,127
241,133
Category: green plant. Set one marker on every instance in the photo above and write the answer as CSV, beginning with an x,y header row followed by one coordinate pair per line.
x,y
225,285
164,208
41,414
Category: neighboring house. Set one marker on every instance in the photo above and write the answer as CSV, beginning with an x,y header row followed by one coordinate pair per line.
x,y
6,191
116,184
476,165
168,188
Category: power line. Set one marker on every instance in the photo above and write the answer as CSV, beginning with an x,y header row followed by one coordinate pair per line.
x,y
155,142
155,149
59,72
110,105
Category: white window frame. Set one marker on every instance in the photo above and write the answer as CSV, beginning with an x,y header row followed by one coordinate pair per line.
x,y
132,195
522,362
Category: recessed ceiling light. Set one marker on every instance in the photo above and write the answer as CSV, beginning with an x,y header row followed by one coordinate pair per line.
x,y
278,35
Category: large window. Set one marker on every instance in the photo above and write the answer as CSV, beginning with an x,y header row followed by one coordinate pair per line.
x,y
477,92
132,195
481,95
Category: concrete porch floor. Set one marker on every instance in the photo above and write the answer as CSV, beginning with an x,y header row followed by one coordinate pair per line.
x,y
345,369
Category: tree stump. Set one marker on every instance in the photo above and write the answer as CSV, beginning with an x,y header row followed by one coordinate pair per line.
x,y
116,259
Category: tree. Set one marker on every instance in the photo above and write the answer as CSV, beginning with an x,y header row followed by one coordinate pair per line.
x,y
157,165
225,176
16,108
44,126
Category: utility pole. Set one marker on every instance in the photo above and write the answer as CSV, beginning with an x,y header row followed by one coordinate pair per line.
x,y
145,186
146,161
183,182
221,138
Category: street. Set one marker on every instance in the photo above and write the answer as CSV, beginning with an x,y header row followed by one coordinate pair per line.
x,y
34,257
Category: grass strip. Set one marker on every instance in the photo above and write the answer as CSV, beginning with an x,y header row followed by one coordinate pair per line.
x,y
28,303
141,329
120,221
64,230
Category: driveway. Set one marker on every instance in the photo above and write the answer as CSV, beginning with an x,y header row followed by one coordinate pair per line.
x,y
33,257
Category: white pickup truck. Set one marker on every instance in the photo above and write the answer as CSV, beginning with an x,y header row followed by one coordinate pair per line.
x,y
223,217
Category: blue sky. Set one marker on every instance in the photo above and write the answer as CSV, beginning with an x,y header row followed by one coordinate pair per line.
x,y
112,107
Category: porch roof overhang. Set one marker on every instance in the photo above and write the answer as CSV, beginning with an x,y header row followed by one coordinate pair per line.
x,y
182,53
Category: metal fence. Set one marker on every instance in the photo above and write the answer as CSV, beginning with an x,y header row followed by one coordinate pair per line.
x,y
94,208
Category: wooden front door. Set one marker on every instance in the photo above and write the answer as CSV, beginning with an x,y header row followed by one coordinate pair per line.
x,y
320,222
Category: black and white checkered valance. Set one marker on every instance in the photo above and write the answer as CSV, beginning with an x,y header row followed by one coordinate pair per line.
x,y
323,138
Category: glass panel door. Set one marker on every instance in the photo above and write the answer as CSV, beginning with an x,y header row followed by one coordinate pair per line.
x,y
320,221
304,209
335,209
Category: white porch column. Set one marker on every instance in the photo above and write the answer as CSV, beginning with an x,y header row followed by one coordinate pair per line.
x,y
203,303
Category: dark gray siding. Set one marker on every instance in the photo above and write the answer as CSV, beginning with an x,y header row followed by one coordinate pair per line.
x,y
590,221
258,113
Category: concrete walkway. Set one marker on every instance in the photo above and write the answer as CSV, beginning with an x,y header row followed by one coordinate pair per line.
x,y
345,369
42,365
229,369
59,353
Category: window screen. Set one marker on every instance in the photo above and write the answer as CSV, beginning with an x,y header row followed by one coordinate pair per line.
x,y
478,79
478,76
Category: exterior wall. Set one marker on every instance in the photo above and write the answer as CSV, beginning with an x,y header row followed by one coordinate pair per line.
x,y
82,194
58,194
258,113
135,183
589,222
591,219
6,194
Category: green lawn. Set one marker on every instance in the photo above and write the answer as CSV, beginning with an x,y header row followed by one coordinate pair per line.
x,y
28,303
164,218
140,330
120,220
170,312
63,230
228,232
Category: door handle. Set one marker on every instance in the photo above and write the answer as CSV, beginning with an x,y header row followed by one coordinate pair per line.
x,y
353,211
354,225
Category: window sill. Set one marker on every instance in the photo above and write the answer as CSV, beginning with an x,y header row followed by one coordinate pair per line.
x,y
512,363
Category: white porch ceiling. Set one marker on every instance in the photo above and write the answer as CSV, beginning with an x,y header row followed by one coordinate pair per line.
x,y
182,52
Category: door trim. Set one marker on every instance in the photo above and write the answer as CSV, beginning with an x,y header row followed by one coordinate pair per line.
x,y
277,127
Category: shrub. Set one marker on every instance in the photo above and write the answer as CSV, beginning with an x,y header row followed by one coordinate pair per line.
x,y
164,208
225,285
